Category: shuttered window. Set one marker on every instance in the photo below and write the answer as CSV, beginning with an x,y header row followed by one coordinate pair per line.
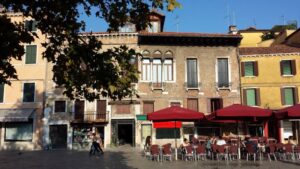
x,y
123,109
289,96
215,104
1,93
60,106
251,97
101,109
30,54
223,78
148,107
192,104
249,69
192,74
30,25
28,92
288,67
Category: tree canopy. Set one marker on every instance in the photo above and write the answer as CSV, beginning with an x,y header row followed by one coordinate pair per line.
x,y
80,67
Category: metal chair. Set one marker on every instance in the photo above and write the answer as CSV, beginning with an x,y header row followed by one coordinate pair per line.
x,y
233,151
167,152
154,152
271,151
221,152
200,152
250,151
189,154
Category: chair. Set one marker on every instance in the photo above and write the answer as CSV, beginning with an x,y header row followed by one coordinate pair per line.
x,y
200,152
167,152
271,151
250,151
214,151
279,150
154,152
188,153
297,152
233,151
288,152
221,152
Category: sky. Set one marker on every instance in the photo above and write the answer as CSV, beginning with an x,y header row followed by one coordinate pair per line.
x,y
214,16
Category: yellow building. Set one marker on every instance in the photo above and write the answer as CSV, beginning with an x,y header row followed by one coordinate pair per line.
x,y
270,78
21,103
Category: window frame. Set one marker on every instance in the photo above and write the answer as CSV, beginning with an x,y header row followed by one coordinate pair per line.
x,y
148,79
196,76
2,87
256,97
294,92
19,140
254,67
36,55
292,67
54,108
34,93
34,22
228,73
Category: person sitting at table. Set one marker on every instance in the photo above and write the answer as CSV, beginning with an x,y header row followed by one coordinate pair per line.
x,y
183,145
208,145
148,143
220,141
248,141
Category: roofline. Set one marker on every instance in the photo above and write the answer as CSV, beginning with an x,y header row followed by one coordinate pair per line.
x,y
291,35
270,54
187,34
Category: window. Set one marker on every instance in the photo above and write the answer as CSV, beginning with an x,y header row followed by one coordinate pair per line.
x,y
167,133
289,96
215,104
156,70
30,25
249,69
28,92
79,109
101,109
175,104
251,97
30,56
288,67
192,73
123,109
18,131
128,27
168,70
192,104
223,78
1,93
154,27
60,106
148,107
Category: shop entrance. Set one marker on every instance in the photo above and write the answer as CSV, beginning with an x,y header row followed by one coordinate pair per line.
x,y
123,132
58,136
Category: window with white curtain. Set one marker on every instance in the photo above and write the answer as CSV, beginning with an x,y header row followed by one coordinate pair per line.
x,y
157,70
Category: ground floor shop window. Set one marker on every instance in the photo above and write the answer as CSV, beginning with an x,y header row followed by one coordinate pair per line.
x,y
167,133
82,135
208,131
18,131
256,130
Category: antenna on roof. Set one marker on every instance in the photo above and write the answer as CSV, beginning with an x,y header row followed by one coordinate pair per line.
x,y
233,18
177,23
254,22
227,15
283,19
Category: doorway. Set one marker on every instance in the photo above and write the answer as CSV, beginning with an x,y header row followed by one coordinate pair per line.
x,y
146,131
58,136
125,134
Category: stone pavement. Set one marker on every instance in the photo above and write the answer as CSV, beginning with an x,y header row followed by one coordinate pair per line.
x,y
118,158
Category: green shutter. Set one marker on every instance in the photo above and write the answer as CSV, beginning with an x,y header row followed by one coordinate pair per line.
x,y
30,54
249,69
288,96
28,92
287,67
1,93
251,97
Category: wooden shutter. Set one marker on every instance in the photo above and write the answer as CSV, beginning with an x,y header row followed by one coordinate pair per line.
x,y
30,54
1,92
257,96
123,108
255,68
101,109
245,96
296,97
281,68
293,66
192,104
243,68
148,107
282,96
79,109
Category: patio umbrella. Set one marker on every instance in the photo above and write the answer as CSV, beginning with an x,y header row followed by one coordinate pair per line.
x,y
292,112
175,113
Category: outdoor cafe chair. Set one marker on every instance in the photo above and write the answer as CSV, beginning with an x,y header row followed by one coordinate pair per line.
x,y
297,152
167,152
221,152
214,151
189,154
154,152
271,151
280,150
200,152
288,152
233,152
250,152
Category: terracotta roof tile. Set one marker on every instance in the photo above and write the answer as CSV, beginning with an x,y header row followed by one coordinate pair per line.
x,y
268,50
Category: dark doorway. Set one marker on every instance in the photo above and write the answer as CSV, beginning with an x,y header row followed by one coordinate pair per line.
x,y
58,136
125,134
100,131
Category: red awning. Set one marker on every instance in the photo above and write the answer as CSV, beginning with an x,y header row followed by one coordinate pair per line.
x,y
292,112
167,124
175,113
240,112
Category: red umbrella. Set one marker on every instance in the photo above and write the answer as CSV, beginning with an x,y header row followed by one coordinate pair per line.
x,y
175,113
292,112
240,112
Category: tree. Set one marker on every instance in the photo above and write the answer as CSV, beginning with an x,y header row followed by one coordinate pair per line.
x,y
79,66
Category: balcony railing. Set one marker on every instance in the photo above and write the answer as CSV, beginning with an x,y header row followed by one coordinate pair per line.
x,y
91,116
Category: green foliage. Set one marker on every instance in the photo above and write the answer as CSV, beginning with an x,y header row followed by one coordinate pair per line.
x,y
79,66
268,35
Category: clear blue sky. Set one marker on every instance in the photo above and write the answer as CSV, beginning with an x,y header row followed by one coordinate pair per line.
x,y
213,16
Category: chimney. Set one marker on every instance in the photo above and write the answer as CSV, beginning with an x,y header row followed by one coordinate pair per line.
x,y
232,29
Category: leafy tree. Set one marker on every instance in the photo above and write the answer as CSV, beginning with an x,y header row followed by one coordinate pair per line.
x,y
268,35
79,66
